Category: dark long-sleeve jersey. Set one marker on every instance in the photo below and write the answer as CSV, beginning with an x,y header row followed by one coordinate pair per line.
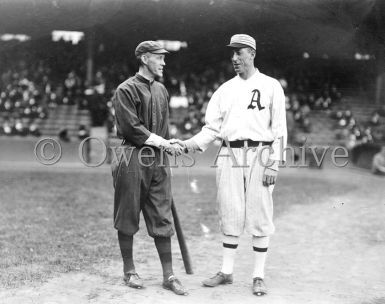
x,y
141,108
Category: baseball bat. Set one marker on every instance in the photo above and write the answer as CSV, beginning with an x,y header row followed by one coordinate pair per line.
x,y
181,240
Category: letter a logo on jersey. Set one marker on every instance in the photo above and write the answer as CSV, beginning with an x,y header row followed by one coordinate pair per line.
x,y
257,101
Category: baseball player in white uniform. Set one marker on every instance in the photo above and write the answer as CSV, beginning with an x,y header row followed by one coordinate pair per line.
x,y
248,114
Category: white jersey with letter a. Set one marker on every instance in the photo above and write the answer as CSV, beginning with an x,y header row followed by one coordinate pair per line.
x,y
247,109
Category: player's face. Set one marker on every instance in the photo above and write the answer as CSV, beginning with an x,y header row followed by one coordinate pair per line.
x,y
242,59
155,64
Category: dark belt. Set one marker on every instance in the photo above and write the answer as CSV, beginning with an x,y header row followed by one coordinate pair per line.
x,y
246,143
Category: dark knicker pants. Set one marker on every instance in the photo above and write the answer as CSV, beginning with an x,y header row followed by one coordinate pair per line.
x,y
145,187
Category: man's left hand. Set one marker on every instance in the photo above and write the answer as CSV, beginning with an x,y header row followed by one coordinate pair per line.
x,y
269,177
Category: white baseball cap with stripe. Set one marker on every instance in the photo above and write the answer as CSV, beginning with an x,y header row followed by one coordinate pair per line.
x,y
241,41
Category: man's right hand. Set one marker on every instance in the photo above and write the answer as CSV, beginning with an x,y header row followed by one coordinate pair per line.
x,y
173,148
180,143
188,145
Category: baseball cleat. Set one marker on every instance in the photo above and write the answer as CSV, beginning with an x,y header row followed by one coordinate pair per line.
x,y
173,284
219,279
259,287
133,280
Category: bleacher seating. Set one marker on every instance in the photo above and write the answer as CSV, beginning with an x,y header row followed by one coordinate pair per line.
x,y
361,107
323,131
65,117
362,110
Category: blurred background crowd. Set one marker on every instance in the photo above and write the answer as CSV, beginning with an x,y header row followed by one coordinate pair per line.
x,y
37,77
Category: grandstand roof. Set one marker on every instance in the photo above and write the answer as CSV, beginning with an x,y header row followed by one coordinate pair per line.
x,y
332,27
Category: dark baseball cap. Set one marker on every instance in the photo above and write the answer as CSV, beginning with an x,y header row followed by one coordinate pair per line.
x,y
149,46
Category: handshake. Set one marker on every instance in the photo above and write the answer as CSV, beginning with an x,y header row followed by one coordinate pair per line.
x,y
178,147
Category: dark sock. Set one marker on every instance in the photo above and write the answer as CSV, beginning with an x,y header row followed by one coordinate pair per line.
x,y
125,244
257,249
231,246
163,245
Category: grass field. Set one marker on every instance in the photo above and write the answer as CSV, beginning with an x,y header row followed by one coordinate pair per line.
x,y
59,221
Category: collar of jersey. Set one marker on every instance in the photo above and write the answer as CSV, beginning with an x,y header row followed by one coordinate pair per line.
x,y
144,79
256,74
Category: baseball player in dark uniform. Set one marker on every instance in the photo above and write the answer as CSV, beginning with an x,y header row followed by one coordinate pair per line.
x,y
248,114
143,182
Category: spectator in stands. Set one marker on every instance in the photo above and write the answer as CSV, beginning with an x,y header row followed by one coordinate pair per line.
x,y
337,114
287,103
352,123
283,83
335,94
100,83
307,127
83,132
311,100
20,128
305,110
34,130
326,102
356,131
41,112
71,83
52,100
9,127
342,134
342,122
378,135
295,105
378,163
63,135
368,135
318,104
375,119
348,115
174,132
351,142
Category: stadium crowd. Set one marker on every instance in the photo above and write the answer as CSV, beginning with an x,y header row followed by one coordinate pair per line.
x,y
355,133
307,91
23,99
27,89
36,77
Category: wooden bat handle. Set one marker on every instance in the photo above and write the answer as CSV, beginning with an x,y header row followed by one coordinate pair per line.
x,y
181,240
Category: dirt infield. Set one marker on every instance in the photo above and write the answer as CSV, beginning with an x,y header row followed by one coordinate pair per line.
x,y
328,248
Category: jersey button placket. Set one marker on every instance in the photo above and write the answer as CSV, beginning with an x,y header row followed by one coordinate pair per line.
x,y
153,107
